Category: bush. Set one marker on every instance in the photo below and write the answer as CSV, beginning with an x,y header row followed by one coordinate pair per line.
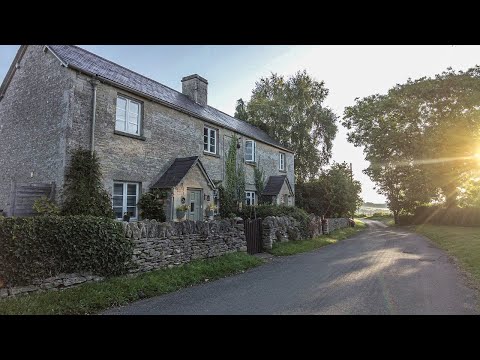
x,y
45,206
151,205
438,214
40,247
405,219
84,193
262,211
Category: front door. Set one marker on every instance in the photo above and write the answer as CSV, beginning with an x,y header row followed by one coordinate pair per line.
x,y
195,205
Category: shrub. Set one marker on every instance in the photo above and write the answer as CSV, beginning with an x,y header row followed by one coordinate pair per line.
x,y
84,193
438,214
151,205
40,247
45,206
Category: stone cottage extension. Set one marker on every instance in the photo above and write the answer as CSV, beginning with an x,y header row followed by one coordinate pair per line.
x,y
57,98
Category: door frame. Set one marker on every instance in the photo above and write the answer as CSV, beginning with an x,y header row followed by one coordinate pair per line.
x,y
201,202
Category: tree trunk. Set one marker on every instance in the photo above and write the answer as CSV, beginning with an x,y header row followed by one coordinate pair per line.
x,y
395,217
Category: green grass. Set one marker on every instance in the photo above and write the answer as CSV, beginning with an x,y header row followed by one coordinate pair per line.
x,y
94,297
461,242
295,247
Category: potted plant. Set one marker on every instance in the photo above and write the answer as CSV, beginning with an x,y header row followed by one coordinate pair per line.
x,y
181,210
211,209
126,216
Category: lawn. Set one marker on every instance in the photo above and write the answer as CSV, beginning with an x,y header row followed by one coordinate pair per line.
x,y
94,297
295,247
461,242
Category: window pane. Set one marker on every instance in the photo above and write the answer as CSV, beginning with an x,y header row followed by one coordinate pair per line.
x,y
132,210
120,125
121,114
118,212
132,128
117,189
121,103
212,148
212,135
131,201
205,139
132,189
205,132
134,108
248,151
117,201
205,147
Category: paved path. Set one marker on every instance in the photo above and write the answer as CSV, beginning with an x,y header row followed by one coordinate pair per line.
x,y
379,271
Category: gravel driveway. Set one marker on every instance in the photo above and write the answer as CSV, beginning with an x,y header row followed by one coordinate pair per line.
x,y
381,270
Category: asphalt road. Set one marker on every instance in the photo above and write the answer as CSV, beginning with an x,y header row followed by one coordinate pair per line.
x,y
379,271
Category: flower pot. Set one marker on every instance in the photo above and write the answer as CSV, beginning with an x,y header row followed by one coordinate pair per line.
x,y
210,213
180,214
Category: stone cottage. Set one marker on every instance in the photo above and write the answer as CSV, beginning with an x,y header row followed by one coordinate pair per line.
x,y
57,98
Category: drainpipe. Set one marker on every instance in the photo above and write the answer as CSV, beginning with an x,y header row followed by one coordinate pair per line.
x,y
95,82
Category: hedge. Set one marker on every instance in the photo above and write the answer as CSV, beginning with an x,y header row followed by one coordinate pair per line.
x,y
40,247
437,214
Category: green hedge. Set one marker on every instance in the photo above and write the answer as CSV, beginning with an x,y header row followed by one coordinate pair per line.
x,y
437,214
40,247
262,211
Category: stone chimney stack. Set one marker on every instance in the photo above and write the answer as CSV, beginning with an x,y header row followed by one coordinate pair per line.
x,y
196,88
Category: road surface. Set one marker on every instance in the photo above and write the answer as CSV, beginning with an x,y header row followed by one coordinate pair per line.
x,y
381,270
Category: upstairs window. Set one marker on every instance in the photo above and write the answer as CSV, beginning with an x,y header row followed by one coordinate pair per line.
x,y
250,197
281,161
128,116
250,151
209,140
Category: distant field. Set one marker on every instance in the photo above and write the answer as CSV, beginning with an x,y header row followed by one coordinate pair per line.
x,y
369,210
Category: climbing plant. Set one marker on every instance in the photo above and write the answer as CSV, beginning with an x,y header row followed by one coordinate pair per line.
x,y
259,177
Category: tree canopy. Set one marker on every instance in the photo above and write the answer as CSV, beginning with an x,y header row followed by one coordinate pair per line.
x,y
334,193
292,112
421,137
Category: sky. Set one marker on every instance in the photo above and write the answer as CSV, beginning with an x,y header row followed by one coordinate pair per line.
x,y
349,71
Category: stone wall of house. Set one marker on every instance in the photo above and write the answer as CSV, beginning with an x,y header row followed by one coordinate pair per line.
x,y
160,245
166,134
279,229
34,121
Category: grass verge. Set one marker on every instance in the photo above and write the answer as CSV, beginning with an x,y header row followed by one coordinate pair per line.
x,y
94,297
295,247
461,242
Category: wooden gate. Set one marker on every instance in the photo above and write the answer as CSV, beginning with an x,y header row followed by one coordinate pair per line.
x,y
23,196
253,235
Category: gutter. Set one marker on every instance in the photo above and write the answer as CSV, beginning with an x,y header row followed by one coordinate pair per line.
x,y
167,104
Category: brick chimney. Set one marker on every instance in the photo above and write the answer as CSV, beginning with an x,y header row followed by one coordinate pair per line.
x,y
196,88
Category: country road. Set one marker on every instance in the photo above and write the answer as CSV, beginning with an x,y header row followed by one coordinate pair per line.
x,y
381,270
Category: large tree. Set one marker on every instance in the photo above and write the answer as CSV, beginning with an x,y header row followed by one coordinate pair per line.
x,y
292,112
420,135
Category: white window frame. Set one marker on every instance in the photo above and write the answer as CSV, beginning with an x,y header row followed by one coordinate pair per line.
x,y
125,197
252,156
251,196
127,117
281,161
209,132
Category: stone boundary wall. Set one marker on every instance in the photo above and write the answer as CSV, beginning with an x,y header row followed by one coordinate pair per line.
x,y
160,245
279,229
157,245
286,228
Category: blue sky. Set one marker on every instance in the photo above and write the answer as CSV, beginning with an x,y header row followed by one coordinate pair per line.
x,y
231,71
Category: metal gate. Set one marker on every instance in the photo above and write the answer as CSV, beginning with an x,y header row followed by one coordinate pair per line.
x,y
253,235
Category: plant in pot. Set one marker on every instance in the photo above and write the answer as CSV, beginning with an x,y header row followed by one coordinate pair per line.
x,y
211,209
181,210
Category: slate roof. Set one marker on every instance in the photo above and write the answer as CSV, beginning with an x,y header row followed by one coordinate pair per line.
x,y
91,64
177,171
274,185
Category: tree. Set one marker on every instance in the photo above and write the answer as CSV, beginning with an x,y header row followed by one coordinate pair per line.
x,y
420,135
151,205
84,193
233,193
259,178
334,193
292,112
241,110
